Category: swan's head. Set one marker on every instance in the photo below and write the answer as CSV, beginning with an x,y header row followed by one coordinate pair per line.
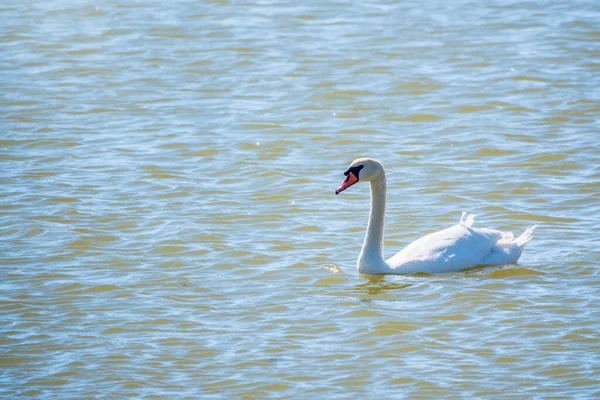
x,y
361,169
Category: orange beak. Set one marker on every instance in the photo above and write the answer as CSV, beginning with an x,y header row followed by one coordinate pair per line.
x,y
349,181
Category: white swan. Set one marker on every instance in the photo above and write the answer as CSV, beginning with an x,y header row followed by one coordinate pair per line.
x,y
453,249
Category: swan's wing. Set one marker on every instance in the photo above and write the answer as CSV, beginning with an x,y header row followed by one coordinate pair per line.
x,y
452,249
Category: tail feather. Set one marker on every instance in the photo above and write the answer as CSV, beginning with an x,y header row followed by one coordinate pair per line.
x,y
525,236
508,252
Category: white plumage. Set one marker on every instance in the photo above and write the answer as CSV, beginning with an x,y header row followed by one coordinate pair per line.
x,y
453,249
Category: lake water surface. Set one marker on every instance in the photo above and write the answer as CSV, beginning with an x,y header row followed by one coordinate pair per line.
x,y
168,221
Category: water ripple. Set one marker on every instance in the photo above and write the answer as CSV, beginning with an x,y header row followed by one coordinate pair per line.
x,y
168,219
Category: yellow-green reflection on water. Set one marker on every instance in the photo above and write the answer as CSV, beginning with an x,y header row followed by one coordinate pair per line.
x,y
169,227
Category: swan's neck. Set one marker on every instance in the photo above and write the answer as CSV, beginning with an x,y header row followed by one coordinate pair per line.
x,y
371,255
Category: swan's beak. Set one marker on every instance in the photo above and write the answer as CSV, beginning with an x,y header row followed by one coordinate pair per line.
x,y
349,181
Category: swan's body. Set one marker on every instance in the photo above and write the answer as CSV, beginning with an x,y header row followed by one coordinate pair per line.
x,y
453,249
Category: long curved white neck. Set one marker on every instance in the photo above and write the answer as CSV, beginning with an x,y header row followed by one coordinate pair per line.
x,y
371,256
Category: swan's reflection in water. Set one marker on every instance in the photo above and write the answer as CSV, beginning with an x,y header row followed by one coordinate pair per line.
x,y
374,285
377,284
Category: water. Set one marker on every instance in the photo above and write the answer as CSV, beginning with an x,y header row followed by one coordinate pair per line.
x,y
168,222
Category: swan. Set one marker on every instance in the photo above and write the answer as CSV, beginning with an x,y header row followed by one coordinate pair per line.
x,y
453,249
